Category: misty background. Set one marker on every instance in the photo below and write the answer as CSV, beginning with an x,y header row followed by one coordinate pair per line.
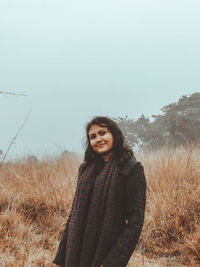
x,y
77,59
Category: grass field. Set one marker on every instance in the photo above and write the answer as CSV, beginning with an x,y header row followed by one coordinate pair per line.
x,y
36,197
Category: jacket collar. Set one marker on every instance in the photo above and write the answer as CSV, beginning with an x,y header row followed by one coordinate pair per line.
x,y
126,168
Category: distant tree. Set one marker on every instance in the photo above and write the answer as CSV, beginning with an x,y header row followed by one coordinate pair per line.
x,y
178,124
127,126
141,133
149,133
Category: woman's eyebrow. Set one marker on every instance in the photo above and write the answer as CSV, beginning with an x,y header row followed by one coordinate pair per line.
x,y
102,130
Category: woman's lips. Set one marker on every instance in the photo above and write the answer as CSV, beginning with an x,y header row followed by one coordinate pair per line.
x,y
101,145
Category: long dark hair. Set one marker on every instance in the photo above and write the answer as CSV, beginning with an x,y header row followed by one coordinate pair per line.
x,y
120,149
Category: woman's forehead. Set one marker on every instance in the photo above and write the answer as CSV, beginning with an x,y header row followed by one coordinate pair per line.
x,y
96,128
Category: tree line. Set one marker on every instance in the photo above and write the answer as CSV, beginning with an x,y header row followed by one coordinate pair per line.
x,y
178,124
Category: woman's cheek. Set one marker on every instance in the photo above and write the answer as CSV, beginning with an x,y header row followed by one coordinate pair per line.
x,y
92,144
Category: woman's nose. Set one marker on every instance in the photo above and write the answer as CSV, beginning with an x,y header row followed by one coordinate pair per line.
x,y
99,138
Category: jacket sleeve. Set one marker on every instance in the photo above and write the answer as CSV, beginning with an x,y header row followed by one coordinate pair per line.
x,y
61,251
135,201
60,255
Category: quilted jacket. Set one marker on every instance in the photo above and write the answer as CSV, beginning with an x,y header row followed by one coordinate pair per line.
x,y
129,216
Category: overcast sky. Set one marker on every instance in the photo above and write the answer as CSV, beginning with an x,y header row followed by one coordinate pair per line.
x,y
75,59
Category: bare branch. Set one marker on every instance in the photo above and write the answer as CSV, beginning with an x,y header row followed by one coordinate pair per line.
x,y
14,139
10,93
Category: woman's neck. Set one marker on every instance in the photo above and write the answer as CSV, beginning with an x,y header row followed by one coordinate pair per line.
x,y
107,157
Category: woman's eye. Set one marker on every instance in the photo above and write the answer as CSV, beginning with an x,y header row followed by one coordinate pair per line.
x,y
92,136
102,133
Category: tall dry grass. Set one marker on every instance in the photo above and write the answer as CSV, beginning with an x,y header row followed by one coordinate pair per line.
x,y
34,205
36,197
172,223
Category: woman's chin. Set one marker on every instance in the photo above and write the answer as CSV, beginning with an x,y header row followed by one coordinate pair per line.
x,y
102,151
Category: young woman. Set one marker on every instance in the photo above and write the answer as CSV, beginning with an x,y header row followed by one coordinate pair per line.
x,y
107,214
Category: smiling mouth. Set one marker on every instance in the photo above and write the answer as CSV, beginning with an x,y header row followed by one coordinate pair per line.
x,y
100,145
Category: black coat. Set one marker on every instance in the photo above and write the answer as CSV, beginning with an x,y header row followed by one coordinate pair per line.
x,y
129,217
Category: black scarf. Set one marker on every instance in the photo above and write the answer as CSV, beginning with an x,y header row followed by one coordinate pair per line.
x,y
91,224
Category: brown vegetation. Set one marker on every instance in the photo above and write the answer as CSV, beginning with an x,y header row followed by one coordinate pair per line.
x,y
172,224
36,199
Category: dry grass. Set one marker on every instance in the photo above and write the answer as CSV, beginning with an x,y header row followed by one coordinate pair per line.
x,y
172,223
36,199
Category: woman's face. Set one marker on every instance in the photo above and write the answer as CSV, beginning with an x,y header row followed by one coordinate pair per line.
x,y
101,140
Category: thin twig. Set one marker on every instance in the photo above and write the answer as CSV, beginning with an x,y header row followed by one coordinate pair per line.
x,y
10,93
14,139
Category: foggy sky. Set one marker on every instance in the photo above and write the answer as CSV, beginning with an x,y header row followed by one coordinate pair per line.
x,y
77,59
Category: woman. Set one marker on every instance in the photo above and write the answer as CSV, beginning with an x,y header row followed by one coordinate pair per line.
x,y
107,214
